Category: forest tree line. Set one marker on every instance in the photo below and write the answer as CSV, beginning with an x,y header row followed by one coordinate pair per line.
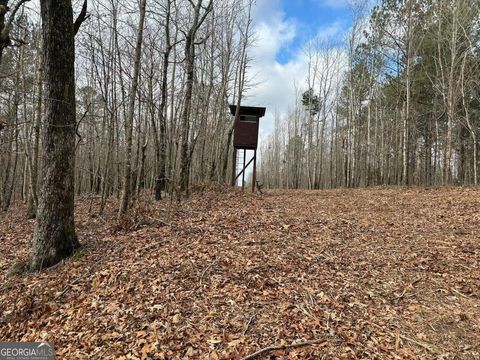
x,y
111,97
153,84
399,104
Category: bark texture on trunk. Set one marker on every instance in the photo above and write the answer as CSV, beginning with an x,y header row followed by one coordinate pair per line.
x,y
55,237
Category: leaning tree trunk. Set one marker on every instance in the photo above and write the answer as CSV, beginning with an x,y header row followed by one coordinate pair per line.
x,y
55,237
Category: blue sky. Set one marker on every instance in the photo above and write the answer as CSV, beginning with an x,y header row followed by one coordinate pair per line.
x,y
278,67
309,18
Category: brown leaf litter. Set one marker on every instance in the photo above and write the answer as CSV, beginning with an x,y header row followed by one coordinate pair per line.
x,y
382,273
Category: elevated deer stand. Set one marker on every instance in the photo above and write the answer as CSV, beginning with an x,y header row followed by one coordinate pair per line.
x,y
245,137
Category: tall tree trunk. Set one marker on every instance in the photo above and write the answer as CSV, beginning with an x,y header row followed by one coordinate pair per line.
x,y
9,188
33,198
159,139
185,152
127,174
190,71
55,237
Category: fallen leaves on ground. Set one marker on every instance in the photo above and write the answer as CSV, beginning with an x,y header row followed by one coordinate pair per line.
x,y
382,273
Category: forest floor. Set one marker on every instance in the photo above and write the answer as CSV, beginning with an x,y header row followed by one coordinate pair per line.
x,y
382,273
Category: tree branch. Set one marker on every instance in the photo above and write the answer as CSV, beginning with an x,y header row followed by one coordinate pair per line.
x,y
208,10
11,18
81,17
282,347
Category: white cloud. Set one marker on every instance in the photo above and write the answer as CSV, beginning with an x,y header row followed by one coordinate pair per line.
x,y
334,32
334,4
273,84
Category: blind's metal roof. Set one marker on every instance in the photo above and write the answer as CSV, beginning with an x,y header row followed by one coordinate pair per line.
x,y
248,110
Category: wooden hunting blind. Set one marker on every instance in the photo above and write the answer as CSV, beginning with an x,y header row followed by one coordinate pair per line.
x,y
245,137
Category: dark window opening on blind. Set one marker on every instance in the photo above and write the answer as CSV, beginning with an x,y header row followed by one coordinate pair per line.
x,y
248,118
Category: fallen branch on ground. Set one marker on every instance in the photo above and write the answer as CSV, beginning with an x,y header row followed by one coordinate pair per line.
x,y
282,347
250,321
419,343
205,271
409,286
462,295
66,289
